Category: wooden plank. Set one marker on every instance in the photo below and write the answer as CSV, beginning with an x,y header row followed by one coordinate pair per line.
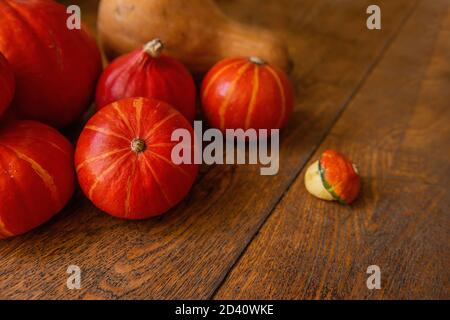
x,y
188,252
397,131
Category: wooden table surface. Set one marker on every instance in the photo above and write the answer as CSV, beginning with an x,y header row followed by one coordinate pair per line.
x,y
382,97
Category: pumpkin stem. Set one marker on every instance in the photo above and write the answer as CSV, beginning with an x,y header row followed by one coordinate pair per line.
x,y
154,48
257,60
138,145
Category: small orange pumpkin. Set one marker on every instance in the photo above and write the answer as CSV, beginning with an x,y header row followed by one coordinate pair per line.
x,y
247,93
333,177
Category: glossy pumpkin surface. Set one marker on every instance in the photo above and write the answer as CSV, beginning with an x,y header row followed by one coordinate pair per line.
x,y
146,73
56,69
37,177
7,84
124,159
246,93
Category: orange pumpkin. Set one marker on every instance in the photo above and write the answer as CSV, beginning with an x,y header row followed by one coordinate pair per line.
x,y
334,178
340,176
147,73
247,93
36,175
56,69
123,159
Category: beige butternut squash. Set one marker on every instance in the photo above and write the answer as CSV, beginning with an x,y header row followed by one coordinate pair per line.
x,y
196,32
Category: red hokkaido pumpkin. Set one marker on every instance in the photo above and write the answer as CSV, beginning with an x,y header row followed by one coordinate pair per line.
x,y
146,73
246,93
56,69
7,84
37,177
123,159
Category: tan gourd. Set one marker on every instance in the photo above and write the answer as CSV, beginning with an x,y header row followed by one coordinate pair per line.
x,y
195,31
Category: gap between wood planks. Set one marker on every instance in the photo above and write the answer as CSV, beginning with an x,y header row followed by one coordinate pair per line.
x,y
343,107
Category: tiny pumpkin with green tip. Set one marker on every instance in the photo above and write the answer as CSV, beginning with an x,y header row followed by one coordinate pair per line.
x,y
334,178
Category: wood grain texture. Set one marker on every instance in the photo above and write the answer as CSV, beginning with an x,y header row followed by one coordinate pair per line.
x,y
396,130
188,252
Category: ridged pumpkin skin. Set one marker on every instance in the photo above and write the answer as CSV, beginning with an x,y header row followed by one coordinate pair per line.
x,y
128,180
56,69
37,177
139,74
244,93
7,84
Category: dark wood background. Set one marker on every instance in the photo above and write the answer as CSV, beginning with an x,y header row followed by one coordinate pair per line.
x,y
381,97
